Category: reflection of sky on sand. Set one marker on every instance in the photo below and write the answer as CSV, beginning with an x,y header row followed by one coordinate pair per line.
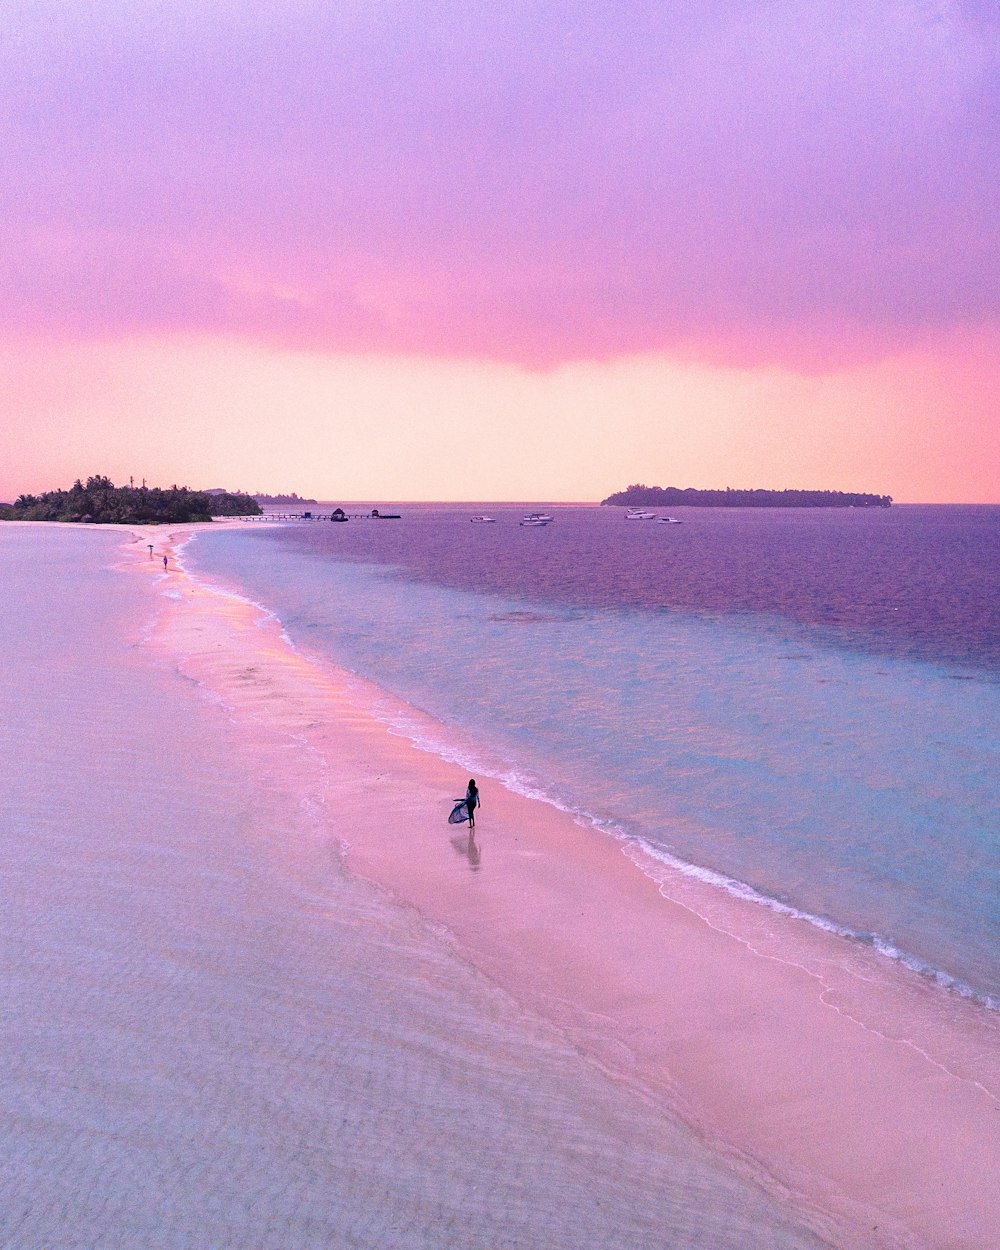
x,y
215,1037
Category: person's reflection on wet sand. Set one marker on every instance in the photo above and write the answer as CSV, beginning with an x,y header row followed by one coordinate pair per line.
x,y
468,847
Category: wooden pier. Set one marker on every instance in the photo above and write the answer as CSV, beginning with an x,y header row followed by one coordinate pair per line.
x,y
308,515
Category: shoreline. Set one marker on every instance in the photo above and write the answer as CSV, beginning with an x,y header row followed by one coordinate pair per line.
x,y
216,1035
860,1090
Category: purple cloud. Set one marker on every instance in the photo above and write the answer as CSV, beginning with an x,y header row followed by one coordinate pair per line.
x,y
536,182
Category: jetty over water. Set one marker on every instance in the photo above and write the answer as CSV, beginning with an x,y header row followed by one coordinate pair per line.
x,y
338,514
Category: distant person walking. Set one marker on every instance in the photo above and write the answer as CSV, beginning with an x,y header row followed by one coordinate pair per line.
x,y
472,801
164,562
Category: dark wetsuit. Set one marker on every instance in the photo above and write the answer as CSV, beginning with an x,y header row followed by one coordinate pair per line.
x,y
472,802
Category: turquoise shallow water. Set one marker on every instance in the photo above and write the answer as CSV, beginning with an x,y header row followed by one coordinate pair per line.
x,y
847,782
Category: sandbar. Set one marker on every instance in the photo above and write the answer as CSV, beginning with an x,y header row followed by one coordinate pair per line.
x,y
848,1083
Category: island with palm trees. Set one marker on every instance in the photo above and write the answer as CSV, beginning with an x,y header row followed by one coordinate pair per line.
x,y
639,496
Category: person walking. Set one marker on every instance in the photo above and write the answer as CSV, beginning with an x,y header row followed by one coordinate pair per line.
x,y
164,562
472,801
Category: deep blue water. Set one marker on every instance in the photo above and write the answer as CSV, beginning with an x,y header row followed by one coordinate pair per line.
x,y
805,701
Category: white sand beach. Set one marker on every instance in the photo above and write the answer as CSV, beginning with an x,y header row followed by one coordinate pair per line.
x,y
263,995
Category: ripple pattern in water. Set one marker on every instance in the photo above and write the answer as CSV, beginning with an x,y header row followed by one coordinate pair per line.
x,y
845,772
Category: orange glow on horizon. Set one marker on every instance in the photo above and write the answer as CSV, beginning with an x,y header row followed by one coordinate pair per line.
x,y
921,426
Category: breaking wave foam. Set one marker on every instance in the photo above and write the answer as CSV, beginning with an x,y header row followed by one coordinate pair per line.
x,y
652,860
427,734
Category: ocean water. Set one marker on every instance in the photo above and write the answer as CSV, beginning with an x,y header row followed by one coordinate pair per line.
x,y
803,706
215,1037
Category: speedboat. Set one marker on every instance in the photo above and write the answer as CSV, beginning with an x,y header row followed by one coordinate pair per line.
x,y
638,514
483,520
669,520
536,518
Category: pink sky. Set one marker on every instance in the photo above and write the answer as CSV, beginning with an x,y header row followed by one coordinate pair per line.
x,y
520,251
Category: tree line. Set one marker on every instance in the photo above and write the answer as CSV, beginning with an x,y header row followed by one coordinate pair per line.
x,y
639,496
101,502
272,500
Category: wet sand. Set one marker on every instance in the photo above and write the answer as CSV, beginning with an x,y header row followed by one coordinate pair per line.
x,y
262,993
869,1097
216,1035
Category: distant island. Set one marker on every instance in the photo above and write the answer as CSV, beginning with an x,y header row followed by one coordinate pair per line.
x,y
639,496
270,500
101,502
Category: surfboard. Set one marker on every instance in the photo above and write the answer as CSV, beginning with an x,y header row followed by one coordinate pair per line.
x,y
459,813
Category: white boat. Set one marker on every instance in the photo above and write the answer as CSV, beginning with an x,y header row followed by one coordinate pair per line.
x,y
536,518
483,520
639,514
669,520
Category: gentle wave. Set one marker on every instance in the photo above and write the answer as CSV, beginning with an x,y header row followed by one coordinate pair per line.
x,y
427,734
641,852
227,592
747,893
